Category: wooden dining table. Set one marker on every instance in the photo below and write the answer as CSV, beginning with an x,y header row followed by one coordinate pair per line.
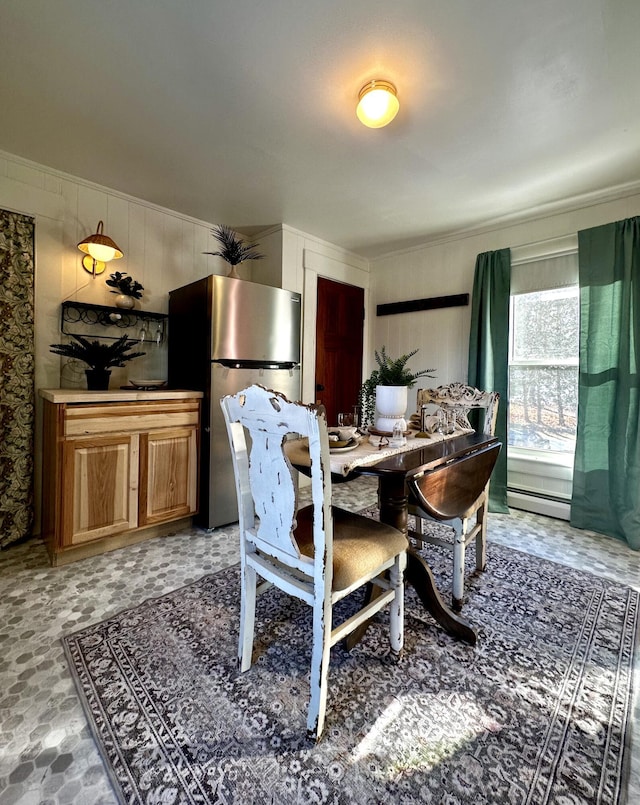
x,y
395,473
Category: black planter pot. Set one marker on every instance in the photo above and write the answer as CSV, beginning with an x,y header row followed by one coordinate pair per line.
x,y
97,379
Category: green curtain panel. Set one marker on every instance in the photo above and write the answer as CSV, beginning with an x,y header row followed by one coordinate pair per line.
x,y
489,351
16,376
606,480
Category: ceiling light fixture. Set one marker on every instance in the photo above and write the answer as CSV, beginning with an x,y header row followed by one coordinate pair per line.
x,y
377,104
99,249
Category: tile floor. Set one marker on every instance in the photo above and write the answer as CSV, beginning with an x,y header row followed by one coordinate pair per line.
x,y
47,755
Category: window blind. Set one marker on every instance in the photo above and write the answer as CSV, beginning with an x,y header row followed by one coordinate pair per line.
x,y
541,267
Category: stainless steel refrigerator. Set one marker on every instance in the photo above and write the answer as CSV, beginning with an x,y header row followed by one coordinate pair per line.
x,y
224,335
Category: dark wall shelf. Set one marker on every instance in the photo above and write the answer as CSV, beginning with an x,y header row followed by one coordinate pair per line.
x,y
432,303
83,313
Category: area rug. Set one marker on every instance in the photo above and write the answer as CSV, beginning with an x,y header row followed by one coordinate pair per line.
x,y
537,712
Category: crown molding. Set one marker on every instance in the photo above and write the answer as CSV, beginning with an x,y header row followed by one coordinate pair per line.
x,y
68,177
537,213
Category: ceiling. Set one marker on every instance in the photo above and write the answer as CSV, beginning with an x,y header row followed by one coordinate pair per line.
x,y
243,113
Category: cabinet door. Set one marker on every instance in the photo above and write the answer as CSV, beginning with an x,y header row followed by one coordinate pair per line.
x,y
100,487
168,474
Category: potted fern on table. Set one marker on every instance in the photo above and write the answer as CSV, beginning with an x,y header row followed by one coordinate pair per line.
x,y
98,356
383,396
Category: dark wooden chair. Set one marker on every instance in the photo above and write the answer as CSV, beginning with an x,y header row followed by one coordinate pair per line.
x,y
459,495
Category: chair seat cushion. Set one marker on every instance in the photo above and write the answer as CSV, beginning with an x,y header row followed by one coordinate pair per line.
x,y
360,544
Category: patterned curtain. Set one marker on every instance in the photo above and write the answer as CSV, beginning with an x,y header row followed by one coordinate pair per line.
x,y
17,397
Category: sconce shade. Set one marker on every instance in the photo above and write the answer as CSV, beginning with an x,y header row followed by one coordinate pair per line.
x,y
377,104
100,247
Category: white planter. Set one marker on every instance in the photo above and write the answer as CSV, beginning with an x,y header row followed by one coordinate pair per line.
x,y
391,405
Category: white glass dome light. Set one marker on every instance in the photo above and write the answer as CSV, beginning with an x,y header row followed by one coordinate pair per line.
x,y
377,104
100,252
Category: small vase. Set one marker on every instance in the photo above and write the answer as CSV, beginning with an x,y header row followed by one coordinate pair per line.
x,y
391,406
97,379
233,273
125,302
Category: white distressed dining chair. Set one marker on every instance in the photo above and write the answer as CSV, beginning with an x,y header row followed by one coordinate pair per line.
x,y
319,553
461,399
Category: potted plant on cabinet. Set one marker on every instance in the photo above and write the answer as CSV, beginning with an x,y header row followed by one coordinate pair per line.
x,y
126,288
233,249
383,396
98,356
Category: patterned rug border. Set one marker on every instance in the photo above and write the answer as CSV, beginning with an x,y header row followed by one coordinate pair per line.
x,y
491,547
611,584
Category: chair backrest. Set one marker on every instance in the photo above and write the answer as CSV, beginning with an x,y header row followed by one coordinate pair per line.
x,y
462,399
265,480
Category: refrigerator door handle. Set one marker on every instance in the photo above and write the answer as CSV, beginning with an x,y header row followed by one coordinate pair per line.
x,y
229,363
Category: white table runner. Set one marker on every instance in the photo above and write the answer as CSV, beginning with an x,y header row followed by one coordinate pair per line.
x,y
367,452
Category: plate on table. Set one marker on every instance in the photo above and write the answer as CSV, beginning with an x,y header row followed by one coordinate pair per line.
x,y
343,447
376,432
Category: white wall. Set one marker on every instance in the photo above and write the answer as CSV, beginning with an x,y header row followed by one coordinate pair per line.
x,y
447,267
162,249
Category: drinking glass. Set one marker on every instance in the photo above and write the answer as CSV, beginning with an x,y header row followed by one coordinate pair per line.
x,y
398,438
451,422
347,420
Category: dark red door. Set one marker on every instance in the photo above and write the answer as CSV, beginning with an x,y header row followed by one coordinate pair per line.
x,y
339,334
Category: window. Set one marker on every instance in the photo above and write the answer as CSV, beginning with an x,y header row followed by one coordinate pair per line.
x,y
543,376
543,370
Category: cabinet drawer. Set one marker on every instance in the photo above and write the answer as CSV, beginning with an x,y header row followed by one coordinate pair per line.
x,y
86,420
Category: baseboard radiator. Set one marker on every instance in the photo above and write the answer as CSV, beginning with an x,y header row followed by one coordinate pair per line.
x,y
539,504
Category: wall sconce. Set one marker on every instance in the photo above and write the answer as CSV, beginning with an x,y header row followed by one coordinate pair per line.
x,y
377,104
99,250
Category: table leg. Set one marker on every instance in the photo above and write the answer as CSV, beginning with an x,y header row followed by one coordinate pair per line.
x,y
393,502
419,575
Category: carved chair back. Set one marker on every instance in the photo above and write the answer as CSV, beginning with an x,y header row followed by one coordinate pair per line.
x,y
462,399
265,480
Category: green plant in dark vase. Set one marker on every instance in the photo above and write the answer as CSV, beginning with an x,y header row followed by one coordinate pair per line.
x,y
389,372
99,356
233,249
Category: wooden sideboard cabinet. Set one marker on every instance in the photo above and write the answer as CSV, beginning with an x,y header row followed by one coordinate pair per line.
x,y
116,470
